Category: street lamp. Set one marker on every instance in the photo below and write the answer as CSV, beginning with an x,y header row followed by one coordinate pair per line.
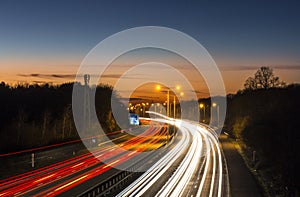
x,y
202,106
144,108
174,103
215,105
177,87
158,88
159,107
181,95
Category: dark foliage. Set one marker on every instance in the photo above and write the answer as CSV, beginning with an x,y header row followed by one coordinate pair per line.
x,y
38,115
268,122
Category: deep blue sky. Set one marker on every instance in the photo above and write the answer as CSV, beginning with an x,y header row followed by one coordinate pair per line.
x,y
236,33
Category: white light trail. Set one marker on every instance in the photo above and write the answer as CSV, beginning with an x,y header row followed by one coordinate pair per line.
x,y
193,149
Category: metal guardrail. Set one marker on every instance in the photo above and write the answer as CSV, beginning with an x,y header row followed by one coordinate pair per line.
x,y
111,186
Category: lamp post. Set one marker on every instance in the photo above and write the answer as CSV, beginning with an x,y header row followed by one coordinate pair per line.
x,y
159,107
158,87
174,107
202,106
177,87
144,108
215,105
168,102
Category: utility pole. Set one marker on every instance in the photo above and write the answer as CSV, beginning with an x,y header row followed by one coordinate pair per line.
x,y
86,104
174,107
32,160
168,103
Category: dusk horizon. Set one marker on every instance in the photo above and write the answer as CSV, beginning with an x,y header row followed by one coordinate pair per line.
x,y
149,98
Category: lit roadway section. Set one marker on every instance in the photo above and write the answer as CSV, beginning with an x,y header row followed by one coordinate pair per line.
x,y
189,165
200,172
59,177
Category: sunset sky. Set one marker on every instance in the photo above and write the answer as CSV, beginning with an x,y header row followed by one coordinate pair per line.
x,y
45,41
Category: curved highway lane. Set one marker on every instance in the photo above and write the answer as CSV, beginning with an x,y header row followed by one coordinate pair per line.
x,y
199,173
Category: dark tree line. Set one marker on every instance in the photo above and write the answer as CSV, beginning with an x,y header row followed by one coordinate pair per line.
x,y
37,115
267,121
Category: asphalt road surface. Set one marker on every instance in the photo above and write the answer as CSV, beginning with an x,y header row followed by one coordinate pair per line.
x,y
242,182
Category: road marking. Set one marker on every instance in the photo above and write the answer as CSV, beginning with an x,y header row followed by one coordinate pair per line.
x,y
110,164
66,185
77,165
46,177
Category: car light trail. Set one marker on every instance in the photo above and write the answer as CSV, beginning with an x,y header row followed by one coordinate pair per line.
x,y
182,176
146,180
90,174
27,182
214,171
198,143
196,154
70,183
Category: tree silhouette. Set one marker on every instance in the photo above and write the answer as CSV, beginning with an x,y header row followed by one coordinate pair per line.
x,y
267,122
263,79
34,115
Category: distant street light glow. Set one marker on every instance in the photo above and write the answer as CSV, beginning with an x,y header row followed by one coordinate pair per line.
x,y
158,87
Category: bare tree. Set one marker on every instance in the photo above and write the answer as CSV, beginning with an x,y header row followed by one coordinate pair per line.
x,y
46,120
22,118
66,122
263,79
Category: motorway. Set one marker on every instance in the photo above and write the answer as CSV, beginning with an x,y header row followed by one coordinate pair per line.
x,y
190,164
62,176
200,172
